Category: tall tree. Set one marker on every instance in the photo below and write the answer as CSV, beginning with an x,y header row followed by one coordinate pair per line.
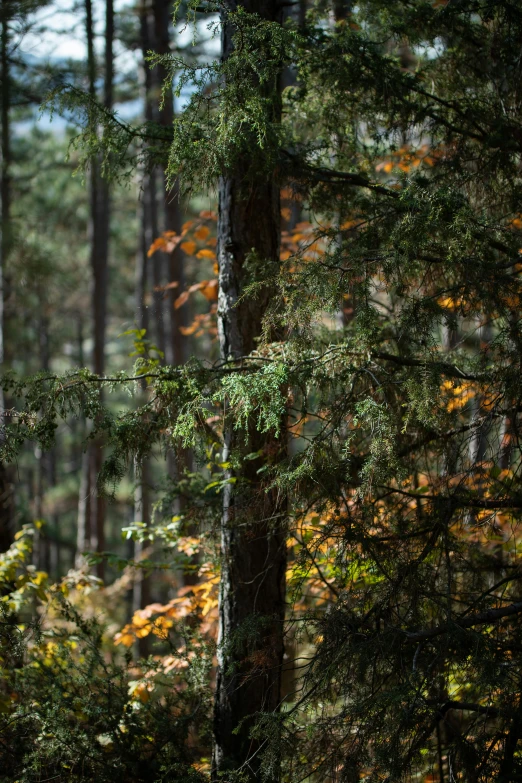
x,y
6,505
176,343
253,542
91,521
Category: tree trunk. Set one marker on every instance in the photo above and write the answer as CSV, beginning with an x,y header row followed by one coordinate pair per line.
x,y
141,585
175,347
149,194
253,546
99,243
6,490
342,9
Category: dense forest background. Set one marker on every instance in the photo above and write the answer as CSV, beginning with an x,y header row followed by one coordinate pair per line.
x,y
261,346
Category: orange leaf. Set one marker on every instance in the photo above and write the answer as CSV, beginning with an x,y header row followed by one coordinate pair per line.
x,y
202,232
197,286
158,244
207,214
167,286
188,330
182,298
206,253
124,638
188,247
210,291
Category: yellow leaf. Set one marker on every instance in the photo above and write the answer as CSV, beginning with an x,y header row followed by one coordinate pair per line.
x,y
139,620
127,639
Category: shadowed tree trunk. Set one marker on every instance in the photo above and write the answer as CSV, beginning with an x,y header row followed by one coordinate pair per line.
x,y
141,584
342,8
176,352
253,546
6,490
93,505
152,179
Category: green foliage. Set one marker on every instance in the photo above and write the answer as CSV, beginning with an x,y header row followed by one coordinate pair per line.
x,y
70,709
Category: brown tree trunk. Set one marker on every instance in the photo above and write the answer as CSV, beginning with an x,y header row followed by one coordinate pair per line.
x,y
153,177
253,545
342,8
99,242
141,585
6,489
175,346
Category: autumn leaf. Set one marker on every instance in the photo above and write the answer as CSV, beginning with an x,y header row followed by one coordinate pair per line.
x,y
167,286
182,298
206,253
210,291
202,233
188,247
158,244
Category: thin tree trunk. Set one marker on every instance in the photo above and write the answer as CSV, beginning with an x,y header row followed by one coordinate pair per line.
x,y
84,493
253,546
99,242
342,8
141,585
152,96
175,346
6,489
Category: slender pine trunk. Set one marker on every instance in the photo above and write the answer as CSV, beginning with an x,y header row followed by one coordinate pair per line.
x,y
175,347
93,505
141,583
253,545
6,489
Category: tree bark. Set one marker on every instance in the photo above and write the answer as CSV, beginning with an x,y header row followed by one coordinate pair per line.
x,y
6,489
141,584
99,228
253,545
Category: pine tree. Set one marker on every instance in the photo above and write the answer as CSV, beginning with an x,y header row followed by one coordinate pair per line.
x,y
253,547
